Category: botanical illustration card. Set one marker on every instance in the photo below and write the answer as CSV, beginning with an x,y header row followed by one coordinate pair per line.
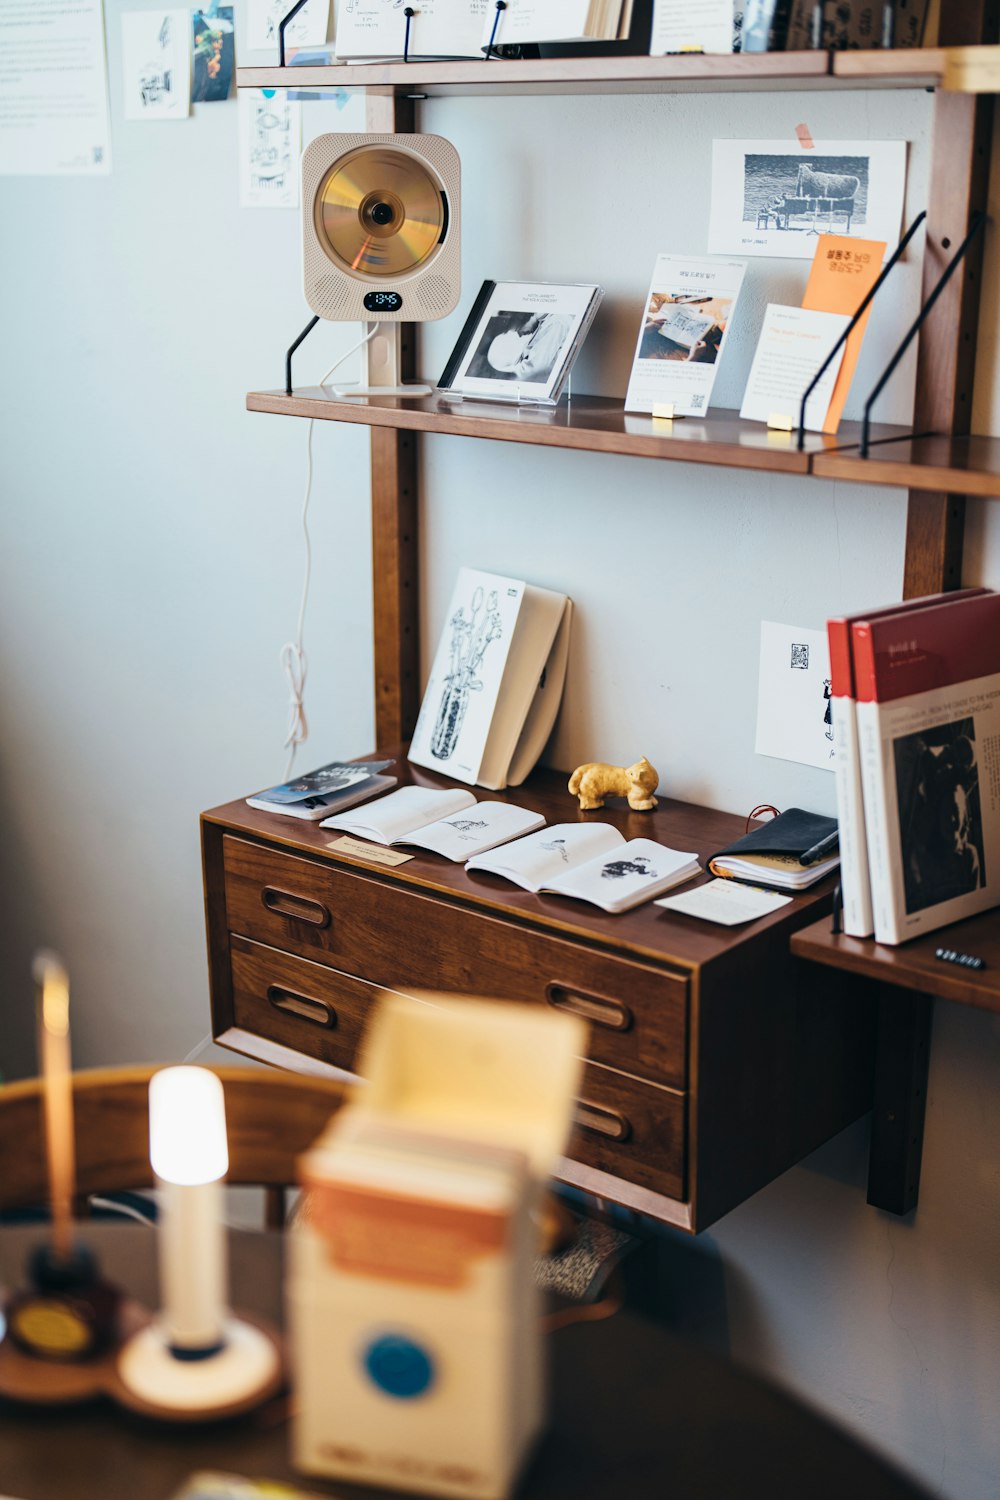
x,y
214,53
691,26
688,312
270,140
775,197
156,64
793,344
307,29
794,717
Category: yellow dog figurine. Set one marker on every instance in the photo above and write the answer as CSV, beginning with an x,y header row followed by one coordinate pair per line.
x,y
595,781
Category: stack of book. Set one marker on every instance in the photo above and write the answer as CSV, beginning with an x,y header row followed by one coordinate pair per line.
x,y
916,720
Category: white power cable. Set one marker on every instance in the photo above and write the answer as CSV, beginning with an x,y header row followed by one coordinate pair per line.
x,y
293,659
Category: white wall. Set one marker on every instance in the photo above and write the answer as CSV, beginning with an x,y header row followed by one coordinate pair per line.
x,y
150,568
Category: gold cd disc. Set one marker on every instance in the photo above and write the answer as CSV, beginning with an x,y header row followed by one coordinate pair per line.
x,y
379,212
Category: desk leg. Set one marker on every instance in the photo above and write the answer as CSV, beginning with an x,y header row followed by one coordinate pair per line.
x,y
901,1060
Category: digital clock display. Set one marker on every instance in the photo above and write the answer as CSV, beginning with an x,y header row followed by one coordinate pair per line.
x,y
383,301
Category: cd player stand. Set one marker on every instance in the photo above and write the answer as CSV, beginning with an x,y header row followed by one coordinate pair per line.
x,y
381,357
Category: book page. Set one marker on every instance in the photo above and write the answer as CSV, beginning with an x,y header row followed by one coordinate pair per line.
x,y
543,856
400,813
793,343
475,829
624,877
688,313
463,689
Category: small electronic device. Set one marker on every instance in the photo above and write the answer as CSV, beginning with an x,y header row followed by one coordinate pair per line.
x,y
380,241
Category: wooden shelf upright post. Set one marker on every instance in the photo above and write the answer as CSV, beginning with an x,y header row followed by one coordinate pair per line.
x,y
395,516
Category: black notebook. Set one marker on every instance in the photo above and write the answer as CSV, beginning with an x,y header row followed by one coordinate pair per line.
x,y
772,854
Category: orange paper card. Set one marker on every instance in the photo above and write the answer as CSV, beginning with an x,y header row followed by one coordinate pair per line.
x,y
843,271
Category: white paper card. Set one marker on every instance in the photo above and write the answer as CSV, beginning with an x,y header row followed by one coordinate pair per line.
x,y
156,64
400,813
793,343
472,830
794,718
53,88
270,137
438,28
774,197
684,326
538,21
308,29
691,26
725,901
542,857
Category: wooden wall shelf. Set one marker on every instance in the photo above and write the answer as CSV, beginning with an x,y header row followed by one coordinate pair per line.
x,y
912,965
593,424
956,465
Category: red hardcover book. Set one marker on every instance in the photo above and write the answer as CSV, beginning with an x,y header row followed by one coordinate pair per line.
x,y
855,883
928,710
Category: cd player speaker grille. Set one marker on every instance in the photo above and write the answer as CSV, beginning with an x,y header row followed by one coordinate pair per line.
x,y
436,291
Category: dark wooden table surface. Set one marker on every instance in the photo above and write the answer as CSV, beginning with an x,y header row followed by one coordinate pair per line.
x,y
635,1412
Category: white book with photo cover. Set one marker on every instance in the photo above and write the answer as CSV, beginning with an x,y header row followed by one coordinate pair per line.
x,y
368,29
691,304
928,707
520,341
496,681
591,862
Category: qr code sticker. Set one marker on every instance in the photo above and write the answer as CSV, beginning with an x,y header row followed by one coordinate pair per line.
x,y
800,656
697,402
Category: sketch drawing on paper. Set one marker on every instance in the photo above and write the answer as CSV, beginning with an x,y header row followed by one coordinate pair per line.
x,y
471,637
617,869
824,195
270,156
157,79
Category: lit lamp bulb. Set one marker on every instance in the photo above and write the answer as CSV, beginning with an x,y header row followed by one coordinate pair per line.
x,y
197,1357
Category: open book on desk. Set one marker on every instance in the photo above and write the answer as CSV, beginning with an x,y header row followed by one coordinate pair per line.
x,y
451,823
592,862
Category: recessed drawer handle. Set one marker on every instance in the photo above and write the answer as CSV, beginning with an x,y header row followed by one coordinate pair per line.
x,y
298,908
594,1008
606,1122
305,1006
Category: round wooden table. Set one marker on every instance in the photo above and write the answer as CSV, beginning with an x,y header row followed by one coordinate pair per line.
x,y
636,1412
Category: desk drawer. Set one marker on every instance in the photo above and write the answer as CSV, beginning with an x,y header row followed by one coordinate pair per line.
x,y
397,937
632,1130
309,1007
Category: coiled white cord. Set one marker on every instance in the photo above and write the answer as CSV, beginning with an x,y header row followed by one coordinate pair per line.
x,y
294,663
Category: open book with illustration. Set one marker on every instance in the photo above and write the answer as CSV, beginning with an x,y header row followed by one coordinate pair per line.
x,y
451,823
591,861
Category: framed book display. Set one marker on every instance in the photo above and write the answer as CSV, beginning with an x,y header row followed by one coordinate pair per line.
x,y
520,341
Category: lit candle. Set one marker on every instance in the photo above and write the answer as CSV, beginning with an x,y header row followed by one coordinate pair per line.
x,y
190,1155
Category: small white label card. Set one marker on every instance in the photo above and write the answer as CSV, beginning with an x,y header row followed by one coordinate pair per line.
x,y
775,197
793,343
691,26
725,901
156,64
270,137
794,716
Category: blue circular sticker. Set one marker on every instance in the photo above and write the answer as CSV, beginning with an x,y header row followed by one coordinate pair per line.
x,y
399,1366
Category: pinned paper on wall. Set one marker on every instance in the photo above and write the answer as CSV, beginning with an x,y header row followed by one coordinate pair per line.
x,y
156,64
308,29
214,38
794,716
54,99
270,137
775,197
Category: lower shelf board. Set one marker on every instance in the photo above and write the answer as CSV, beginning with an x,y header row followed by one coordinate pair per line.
x,y
967,465
593,424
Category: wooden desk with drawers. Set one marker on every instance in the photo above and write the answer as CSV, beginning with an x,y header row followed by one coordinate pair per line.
x,y
716,1060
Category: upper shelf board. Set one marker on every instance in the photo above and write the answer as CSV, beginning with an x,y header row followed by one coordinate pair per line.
x,y
594,424
690,73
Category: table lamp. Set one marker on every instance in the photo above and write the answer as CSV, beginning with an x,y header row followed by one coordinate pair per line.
x,y
196,1359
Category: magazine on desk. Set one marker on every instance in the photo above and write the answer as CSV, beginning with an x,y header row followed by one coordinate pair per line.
x,y
928,709
520,341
